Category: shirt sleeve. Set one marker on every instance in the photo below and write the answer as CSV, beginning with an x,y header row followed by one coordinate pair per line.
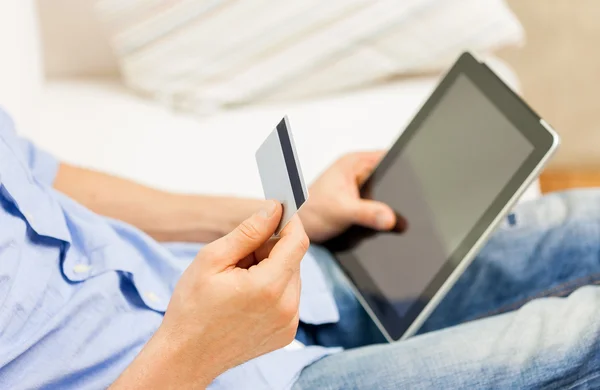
x,y
43,165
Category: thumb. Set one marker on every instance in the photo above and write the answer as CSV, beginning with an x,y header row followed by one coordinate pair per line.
x,y
375,215
247,237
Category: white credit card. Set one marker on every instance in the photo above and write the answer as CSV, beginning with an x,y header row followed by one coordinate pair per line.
x,y
280,173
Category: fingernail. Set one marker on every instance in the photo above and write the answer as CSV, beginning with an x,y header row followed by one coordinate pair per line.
x,y
268,209
384,220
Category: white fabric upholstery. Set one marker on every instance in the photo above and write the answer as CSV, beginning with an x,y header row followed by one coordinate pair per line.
x,y
20,61
102,125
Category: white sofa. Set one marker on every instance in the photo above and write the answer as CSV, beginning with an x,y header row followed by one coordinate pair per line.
x,y
83,114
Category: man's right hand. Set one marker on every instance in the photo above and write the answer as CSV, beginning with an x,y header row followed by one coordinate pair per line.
x,y
238,300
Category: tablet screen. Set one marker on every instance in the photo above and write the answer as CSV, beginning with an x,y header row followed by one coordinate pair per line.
x,y
440,183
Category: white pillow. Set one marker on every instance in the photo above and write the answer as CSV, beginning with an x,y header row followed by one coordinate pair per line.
x,y
21,75
201,54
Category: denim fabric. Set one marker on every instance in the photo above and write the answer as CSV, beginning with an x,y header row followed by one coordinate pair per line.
x,y
526,314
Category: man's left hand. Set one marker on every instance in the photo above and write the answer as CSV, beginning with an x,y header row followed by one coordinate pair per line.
x,y
334,202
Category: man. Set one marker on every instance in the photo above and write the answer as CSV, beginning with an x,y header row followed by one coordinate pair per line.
x,y
91,301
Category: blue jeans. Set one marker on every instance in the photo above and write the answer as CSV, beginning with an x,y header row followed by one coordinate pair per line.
x,y
526,314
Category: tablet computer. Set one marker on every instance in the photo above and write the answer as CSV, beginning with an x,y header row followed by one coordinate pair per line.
x,y
451,177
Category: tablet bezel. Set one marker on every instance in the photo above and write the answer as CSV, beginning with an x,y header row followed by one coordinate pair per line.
x,y
544,140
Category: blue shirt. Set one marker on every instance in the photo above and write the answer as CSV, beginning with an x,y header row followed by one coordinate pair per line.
x,y
81,294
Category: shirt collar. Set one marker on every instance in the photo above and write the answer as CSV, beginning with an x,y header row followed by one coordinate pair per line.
x,y
35,202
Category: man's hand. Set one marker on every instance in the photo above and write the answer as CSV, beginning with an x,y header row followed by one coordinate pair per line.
x,y
239,299
335,204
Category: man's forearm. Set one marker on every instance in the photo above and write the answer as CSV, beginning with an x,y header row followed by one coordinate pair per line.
x,y
163,215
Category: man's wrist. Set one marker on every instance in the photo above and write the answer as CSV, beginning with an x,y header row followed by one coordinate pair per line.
x,y
309,219
164,363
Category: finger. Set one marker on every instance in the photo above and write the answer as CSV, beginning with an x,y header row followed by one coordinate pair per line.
x,y
290,308
247,261
373,214
287,333
246,237
285,256
265,249
366,162
290,298
293,289
372,156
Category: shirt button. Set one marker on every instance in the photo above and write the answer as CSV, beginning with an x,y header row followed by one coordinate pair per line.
x,y
81,268
29,217
152,297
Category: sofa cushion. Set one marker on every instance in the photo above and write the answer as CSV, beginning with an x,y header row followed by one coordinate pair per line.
x,y
20,61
